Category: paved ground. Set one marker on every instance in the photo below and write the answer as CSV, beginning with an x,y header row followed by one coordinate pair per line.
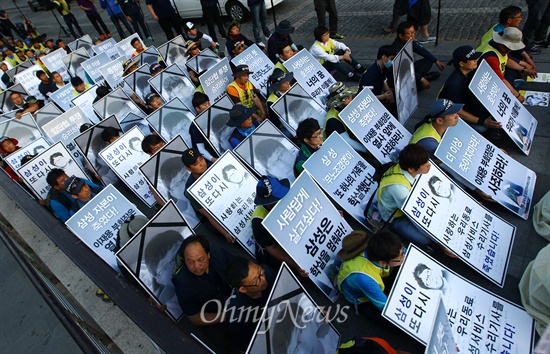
x,y
361,23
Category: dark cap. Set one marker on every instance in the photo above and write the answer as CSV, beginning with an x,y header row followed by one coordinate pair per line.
x,y
155,67
31,99
190,156
238,114
242,70
189,25
464,53
277,78
284,27
270,190
26,159
442,107
73,185
150,96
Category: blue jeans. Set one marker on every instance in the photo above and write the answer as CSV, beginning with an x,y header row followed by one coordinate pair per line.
x,y
407,229
259,15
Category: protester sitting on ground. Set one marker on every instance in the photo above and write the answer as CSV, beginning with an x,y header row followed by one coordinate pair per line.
x,y
377,75
192,49
280,39
79,85
495,53
269,190
151,144
368,261
279,83
251,283
201,102
510,16
406,31
58,79
333,54
138,46
310,137
8,146
242,91
80,191
196,164
31,106
152,102
46,85
235,40
242,119
456,89
199,280
109,135
194,35
338,98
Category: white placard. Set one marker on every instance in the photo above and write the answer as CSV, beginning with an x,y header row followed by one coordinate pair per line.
x,y
259,64
214,82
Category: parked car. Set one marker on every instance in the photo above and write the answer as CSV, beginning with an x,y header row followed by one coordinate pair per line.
x,y
236,9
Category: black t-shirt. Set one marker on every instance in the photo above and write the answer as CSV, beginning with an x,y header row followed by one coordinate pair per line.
x,y
162,8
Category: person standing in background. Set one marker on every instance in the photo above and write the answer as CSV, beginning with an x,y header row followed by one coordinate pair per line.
x,y
94,17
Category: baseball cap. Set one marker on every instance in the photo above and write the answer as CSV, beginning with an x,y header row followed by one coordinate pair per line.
x,y
73,185
443,107
190,156
270,190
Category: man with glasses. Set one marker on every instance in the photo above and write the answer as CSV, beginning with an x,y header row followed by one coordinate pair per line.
x,y
364,276
251,284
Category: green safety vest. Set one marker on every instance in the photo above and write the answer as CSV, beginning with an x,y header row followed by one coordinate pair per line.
x,y
393,176
360,264
426,130
327,48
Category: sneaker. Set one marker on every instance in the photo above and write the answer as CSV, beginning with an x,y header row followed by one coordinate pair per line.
x,y
424,40
261,44
99,293
267,38
151,39
388,29
337,36
518,83
533,50
541,43
102,36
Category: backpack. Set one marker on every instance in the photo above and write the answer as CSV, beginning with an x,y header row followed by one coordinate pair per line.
x,y
371,213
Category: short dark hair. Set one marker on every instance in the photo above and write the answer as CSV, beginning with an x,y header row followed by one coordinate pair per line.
x,y
134,40
53,175
420,267
59,41
386,50
108,133
237,271
282,48
195,239
413,156
384,246
319,31
14,93
75,81
102,91
150,140
405,25
508,12
306,128
54,72
199,98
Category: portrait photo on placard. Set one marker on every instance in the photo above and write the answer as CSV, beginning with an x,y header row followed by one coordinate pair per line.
x,y
83,42
405,83
150,56
138,81
13,98
269,152
116,103
173,52
203,62
212,124
73,61
172,119
47,113
150,256
19,68
132,120
172,83
24,130
296,105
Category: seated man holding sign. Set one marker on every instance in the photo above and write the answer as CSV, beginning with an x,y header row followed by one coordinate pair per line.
x,y
242,91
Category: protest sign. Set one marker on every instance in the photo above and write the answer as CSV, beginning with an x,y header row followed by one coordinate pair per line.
x,y
375,127
53,62
149,56
73,61
124,47
516,120
226,190
24,130
33,148
259,64
124,157
172,83
310,229
167,174
116,103
92,66
486,167
173,52
295,105
112,73
212,121
19,68
98,221
452,217
441,339
85,101
541,77
35,171
291,321
202,62
481,321
108,47
63,97
132,120
535,98
150,256
269,152
6,104
214,82
8,115
171,120
138,81
83,42
404,79
28,79
311,75
344,175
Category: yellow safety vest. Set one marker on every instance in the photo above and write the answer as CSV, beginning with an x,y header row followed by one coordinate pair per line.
x,y
246,97
280,66
64,7
486,38
393,176
426,130
327,48
503,59
362,265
